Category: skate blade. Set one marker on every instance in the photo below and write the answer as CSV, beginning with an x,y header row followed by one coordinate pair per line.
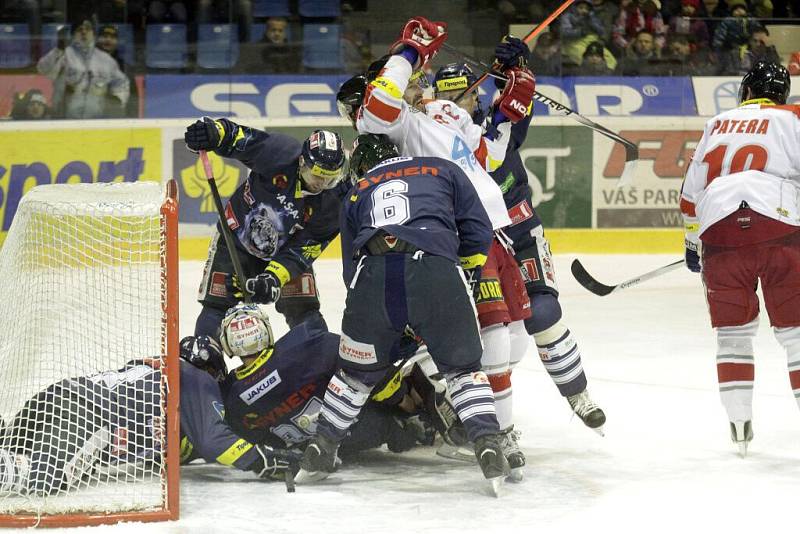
x,y
496,485
600,431
517,475
461,454
305,477
742,448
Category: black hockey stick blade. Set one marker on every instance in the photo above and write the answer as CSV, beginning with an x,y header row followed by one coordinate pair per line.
x,y
600,289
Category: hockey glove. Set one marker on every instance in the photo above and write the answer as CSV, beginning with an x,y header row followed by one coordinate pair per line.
x,y
265,288
516,98
512,52
275,462
422,35
208,134
204,353
692,257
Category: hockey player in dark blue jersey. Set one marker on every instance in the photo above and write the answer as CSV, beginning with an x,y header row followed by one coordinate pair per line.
x,y
406,226
557,347
275,396
67,435
282,217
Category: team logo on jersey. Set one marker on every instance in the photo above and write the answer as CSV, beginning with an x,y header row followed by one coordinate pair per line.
x,y
218,287
261,388
230,217
530,273
520,212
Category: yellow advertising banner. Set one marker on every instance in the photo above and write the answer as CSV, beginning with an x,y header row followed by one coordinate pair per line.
x,y
31,158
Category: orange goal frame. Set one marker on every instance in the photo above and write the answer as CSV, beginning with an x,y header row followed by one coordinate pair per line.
x,y
170,380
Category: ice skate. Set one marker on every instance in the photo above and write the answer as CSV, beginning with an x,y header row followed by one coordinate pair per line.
x,y
589,412
742,435
509,439
319,460
489,452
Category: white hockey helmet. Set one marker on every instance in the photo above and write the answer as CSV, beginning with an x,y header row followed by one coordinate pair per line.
x,y
245,330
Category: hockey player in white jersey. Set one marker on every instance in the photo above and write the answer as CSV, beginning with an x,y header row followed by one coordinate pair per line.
x,y
740,199
393,105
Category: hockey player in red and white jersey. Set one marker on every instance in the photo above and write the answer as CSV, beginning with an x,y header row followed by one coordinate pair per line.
x,y
741,199
393,105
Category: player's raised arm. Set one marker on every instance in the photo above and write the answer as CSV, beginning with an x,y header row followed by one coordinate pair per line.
x,y
393,82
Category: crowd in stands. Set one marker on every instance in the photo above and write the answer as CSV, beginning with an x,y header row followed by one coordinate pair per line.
x,y
94,49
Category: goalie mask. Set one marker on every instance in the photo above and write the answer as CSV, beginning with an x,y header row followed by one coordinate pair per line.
x,y
246,331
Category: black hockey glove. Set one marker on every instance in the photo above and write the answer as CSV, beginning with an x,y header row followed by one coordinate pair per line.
x,y
265,288
276,462
208,134
692,257
512,52
204,353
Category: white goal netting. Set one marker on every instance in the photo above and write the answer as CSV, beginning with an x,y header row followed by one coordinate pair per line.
x,y
82,347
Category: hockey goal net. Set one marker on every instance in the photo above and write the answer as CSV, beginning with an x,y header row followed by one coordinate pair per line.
x,y
88,356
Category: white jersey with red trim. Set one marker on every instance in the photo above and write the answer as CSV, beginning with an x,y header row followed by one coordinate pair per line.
x,y
445,130
751,154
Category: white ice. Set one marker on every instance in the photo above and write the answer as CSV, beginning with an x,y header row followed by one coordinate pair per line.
x,y
666,462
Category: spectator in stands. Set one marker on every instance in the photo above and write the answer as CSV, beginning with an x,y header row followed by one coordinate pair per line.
x,y
713,11
742,58
239,12
688,24
762,9
735,30
594,62
273,54
88,83
606,12
638,56
108,42
683,58
633,19
794,64
546,55
31,106
579,27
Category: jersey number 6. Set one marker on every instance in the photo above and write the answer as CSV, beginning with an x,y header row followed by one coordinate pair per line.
x,y
389,204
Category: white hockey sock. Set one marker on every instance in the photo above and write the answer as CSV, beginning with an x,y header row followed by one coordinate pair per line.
x,y
736,369
789,338
342,403
494,362
561,357
520,341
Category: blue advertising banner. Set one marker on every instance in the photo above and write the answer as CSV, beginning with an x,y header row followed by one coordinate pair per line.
x,y
282,96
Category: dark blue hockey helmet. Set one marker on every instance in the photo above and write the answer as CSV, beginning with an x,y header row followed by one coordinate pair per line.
x,y
453,77
322,161
766,80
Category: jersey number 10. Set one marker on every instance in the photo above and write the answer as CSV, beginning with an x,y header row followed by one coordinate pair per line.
x,y
746,158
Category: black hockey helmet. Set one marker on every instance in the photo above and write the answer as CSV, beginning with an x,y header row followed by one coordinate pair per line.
x,y
322,161
766,80
368,151
350,97
453,77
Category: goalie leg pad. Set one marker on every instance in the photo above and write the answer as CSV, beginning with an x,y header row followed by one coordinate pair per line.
x,y
789,338
736,369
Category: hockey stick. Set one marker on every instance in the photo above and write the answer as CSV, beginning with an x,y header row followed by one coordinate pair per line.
x,y
631,150
223,223
600,289
237,263
527,39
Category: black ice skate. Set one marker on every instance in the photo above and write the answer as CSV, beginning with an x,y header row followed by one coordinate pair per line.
x,y
589,412
509,439
742,435
489,452
319,460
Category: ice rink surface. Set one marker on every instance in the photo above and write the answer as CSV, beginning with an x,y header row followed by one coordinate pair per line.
x,y
666,463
